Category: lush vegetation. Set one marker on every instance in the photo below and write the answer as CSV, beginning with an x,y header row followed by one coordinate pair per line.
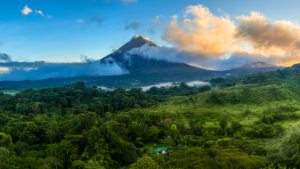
x,y
252,122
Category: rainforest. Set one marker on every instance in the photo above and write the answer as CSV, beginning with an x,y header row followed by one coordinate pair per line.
x,y
242,122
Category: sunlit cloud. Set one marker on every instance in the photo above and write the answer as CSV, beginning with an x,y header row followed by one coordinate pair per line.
x,y
123,1
217,36
39,12
26,10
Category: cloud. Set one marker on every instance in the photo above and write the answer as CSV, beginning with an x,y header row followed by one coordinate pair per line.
x,y
133,25
152,31
5,57
156,25
86,59
96,19
128,1
156,21
26,10
39,70
80,20
48,16
39,12
172,54
159,16
205,33
123,1
201,33
280,39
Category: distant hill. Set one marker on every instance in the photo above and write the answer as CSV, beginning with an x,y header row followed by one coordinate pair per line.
x,y
257,65
249,69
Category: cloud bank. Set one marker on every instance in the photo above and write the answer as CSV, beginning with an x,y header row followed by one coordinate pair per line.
x,y
202,60
204,37
39,70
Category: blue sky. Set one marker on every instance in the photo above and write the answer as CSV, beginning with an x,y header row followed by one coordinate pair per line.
x,y
58,36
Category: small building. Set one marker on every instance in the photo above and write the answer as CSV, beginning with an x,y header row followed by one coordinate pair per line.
x,y
161,150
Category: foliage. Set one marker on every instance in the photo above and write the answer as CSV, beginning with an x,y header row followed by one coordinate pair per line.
x,y
145,162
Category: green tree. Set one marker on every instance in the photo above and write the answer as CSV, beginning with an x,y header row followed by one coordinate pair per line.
x,y
6,141
145,162
4,157
78,164
153,131
124,119
223,124
22,109
235,126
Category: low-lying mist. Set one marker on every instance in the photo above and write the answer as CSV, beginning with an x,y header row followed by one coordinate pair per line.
x,y
164,84
21,71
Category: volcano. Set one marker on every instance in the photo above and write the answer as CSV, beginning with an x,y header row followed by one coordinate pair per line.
x,y
141,70
138,64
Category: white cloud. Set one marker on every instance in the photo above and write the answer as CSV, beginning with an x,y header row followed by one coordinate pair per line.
x,y
26,10
159,16
124,1
48,16
128,1
80,20
39,12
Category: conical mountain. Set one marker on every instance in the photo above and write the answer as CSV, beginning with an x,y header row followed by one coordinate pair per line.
x,y
139,64
136,42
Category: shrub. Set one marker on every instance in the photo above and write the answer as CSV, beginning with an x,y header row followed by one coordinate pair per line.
x,y
198,129
235,126
223,124
224,142
267,131
124,119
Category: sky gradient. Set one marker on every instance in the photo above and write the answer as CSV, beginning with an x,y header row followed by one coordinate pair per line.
x,y
61,31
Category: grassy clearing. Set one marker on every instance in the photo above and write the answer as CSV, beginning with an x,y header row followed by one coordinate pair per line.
x,y
248,114
213,113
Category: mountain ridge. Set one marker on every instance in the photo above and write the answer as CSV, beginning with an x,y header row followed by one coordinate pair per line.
x,y
257,64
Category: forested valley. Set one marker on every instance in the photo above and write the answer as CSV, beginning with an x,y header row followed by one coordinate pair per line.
x,y
244,122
